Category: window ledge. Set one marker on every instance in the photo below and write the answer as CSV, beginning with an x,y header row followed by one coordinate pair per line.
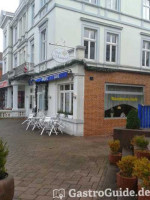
x,y
108,118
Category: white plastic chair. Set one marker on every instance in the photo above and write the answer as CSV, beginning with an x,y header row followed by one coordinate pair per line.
x,y
46,124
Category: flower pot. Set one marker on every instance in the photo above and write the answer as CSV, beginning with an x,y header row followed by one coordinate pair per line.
x,y
142,197
115,158
70,117
7,188
62,115
141,154
126,182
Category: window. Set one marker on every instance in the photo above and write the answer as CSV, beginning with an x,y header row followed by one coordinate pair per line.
x,y
32,51
31,103
32,14
5,39
66,98
146,54
43,2
15,61
41,97
20,28
146,9
5,66
43,45
111,47
91,1
120,99
90,43
112,4
15,34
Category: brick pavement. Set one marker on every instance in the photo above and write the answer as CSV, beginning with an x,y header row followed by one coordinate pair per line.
x,y
40,164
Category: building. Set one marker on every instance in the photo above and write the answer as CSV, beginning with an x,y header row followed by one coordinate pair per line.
x,y
85,59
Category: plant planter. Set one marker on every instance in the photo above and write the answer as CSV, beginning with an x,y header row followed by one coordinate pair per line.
x,y
70,117
142,197
115,158
7,188
126,182
141,154
62,115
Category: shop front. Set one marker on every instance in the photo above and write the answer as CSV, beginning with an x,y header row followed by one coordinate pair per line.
x,y
60,93
109,96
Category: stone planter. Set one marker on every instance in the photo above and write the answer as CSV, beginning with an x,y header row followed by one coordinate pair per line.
x,y
7,188
126,182
142,154
115,158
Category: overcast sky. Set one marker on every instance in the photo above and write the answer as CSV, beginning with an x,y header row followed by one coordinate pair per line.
x,y
7,5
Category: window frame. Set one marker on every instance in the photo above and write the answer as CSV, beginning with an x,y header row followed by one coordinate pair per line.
x,y
123,92
144,39
118,49
97,40
64,92
32,13
111,8
144,7
90,2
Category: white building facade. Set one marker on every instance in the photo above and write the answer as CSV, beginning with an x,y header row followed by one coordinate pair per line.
x,y
103,34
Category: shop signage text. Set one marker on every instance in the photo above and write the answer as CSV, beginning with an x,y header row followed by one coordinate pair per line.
x,y
60,55
3,84
52,77
123,99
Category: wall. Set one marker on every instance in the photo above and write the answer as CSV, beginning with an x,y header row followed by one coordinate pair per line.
x,y
94,122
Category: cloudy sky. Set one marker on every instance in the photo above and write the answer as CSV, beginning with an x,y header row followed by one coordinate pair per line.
x,y
7,5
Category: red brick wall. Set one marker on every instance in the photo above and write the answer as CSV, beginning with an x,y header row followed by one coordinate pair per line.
x,y
94,121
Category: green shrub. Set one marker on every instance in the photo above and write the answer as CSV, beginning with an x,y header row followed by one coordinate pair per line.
x,y
126,165
3,158
114,146
133,121
141,142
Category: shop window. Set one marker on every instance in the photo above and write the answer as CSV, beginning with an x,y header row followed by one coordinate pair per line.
x,y
90,43
31,103
66,98
120,99
41,97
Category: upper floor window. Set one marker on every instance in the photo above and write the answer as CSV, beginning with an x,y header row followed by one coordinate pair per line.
x,y
90,43
146,54
91,1
112,4
146,9
111,47
32,14
43,45
15,34
43,2
32,51
5,39
15,60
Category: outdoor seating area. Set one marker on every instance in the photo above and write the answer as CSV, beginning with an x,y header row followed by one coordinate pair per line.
x,y
44,124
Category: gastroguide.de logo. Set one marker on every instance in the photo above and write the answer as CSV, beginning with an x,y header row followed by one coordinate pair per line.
x,y
59,193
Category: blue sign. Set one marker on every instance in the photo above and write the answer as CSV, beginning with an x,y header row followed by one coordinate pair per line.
x,y
51,78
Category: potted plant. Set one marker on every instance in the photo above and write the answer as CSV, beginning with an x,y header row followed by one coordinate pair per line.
x,y
125,178
6,181
114,155
70,115
142,171
140,144
61,113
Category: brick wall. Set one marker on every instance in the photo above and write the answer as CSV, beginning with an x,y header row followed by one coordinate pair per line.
x,y
94,121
